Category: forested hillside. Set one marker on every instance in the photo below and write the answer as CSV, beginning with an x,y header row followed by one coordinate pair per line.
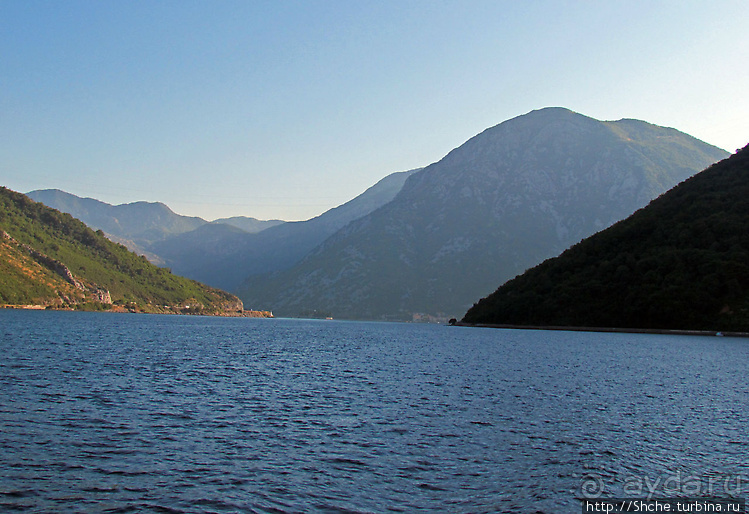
x,y
49,258
682,262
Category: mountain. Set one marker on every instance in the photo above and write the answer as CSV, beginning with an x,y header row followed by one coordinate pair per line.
x,y
223,257
247,224
141,222
139,225
682,262
510,197
49,258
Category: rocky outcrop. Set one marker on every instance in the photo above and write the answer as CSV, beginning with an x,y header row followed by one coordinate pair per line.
x,y
235,306
101,296
55,265
97,294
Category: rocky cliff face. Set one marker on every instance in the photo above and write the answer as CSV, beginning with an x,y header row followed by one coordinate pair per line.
x,y
92,291
507,199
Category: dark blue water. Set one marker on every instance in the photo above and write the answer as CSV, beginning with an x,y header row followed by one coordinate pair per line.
x,y
137,413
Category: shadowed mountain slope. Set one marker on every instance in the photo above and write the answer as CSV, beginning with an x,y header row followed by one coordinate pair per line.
x,y
224,258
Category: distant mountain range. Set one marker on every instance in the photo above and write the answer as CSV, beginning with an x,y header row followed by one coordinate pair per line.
x,y
222,253
247,224
682,262
431,240
507,199
50,259
141,222
225,258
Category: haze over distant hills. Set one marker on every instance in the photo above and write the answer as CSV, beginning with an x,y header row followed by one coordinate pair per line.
x,y
507,199
247,224
682,262
141,222
225,258
137,225
224,252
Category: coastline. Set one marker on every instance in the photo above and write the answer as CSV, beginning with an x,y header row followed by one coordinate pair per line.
x,y
118,309
608,329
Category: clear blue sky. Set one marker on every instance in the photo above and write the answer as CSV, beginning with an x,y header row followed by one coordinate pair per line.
x,y
284,109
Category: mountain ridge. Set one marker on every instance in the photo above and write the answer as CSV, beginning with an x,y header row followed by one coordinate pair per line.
x,y
51,259
221,253
464,222
226,261
137,224
140,221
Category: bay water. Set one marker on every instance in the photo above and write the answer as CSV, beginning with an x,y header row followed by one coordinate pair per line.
x,y
108,412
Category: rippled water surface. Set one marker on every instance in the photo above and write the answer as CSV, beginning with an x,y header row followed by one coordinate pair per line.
x,y
136,413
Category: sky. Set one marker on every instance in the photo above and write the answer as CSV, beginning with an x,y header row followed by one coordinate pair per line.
x,y
283,109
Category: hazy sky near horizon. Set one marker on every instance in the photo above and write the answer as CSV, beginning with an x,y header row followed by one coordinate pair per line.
x,y
284,109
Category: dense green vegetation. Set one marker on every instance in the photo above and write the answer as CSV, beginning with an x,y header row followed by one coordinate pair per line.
x,y
682,262
97,262
23,281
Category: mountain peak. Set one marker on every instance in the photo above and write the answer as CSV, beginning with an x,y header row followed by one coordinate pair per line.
x,y
140,222
508,198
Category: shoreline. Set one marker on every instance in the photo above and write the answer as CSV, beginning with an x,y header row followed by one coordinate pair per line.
x,y
123,310
713,333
